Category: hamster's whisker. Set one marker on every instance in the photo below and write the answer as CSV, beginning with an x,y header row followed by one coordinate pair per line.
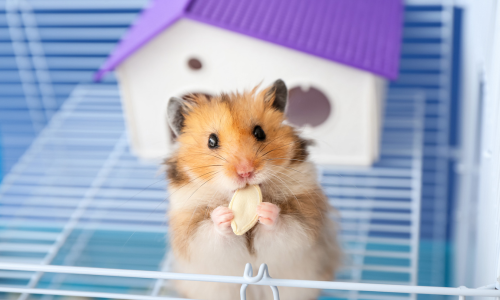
x,y
216,194
279,148
123,203
210,202
202,153
275,185
189,223
204,167
298,202
135,195
222,157
216,156
286,175
203,183
191,181
277,177
267,144
281,158
285,167
192,158
298,182
294,179
154,210
284,158
195,152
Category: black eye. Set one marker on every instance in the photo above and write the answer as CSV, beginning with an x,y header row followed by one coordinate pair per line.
x,y
259,134
213,141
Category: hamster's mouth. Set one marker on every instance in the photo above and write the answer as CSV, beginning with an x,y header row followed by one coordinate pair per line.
x,y
251,180
233,191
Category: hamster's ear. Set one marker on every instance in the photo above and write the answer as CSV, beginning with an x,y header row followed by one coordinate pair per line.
x,y
277,95
175,116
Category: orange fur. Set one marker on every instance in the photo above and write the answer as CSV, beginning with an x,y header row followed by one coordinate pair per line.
x,y
229,117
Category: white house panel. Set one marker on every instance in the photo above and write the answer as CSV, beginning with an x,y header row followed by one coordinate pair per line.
x,y
159,70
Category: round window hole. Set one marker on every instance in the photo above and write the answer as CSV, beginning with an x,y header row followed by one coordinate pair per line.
x,y
308,107
194,64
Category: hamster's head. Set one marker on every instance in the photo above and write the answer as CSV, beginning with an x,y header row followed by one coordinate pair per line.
x,y
232,140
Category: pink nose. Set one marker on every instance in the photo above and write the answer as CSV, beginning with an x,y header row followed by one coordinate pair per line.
x,y
245,169
245,175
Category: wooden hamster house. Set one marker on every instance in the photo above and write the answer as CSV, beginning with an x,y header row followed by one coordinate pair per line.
x,y
60,203
335,57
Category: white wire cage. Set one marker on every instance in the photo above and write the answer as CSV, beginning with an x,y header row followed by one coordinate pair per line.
x,y
76,201
78,198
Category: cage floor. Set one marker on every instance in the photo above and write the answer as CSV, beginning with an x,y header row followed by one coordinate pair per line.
x,y
79,197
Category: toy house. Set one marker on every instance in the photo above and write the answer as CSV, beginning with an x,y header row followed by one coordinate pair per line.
x,y
334,55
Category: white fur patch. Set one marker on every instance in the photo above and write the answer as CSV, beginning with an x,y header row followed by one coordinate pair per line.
x,y
287,249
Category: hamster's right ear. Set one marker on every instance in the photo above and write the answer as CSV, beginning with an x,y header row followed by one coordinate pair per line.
x,y
277,95
175,114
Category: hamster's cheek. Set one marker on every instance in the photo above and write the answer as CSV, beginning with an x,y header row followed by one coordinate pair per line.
x,y
226,184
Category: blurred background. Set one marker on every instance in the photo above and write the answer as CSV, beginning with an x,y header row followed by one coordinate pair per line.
x,y
73,193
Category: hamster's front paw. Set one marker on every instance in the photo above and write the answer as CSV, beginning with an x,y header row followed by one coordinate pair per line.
x,y
268,214
222,216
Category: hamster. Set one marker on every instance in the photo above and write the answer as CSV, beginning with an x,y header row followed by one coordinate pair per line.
x,y
224,143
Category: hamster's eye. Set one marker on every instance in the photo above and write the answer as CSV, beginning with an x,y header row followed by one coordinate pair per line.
x,y
213,141
259,134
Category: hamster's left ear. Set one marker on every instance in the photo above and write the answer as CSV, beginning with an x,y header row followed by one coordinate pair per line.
x,y
175,114
277,95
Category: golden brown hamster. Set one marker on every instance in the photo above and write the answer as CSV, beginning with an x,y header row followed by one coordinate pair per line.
x,y
224,143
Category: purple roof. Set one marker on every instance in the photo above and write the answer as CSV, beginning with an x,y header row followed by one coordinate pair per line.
x,y
365,34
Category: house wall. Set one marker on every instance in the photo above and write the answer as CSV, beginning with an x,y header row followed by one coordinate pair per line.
x,y
159,70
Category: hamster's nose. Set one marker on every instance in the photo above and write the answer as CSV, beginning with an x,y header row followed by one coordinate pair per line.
x,y
245,169
245,175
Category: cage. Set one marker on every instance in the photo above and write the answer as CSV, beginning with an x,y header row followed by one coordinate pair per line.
x,y
80,216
